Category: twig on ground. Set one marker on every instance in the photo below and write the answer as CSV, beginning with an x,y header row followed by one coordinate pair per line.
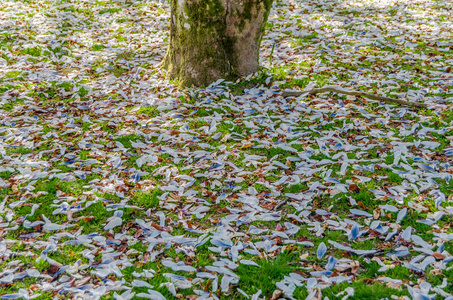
x,y
336,89
384,251
281,204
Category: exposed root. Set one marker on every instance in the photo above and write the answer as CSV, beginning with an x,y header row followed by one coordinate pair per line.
x,y
165,62
339,90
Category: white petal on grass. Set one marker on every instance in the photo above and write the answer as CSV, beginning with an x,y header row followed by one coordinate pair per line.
x,y
256,295
127,295
419,241
249,263
312,295
311,283
322,249
114,222
178,266
389,208
225,283
401,215
361,213
243,293
406,234
152,294
140,283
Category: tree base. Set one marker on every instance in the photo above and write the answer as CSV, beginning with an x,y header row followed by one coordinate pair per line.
x,y
214,39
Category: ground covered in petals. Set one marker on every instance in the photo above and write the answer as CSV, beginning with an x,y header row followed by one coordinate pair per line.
x,y
113,184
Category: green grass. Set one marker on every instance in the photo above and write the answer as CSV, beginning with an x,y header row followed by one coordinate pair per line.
x,y
110,10
264,278
150,111
32,51
100,214
13,74
5,174
127,139
364,291
147,199
306,39
97,47
17,150
295,188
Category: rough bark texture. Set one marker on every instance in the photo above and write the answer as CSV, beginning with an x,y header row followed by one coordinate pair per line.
x,y
212,39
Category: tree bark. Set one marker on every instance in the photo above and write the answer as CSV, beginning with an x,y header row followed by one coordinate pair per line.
x,y
213,39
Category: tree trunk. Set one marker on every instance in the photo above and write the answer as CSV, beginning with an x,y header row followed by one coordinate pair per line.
x,y
212,39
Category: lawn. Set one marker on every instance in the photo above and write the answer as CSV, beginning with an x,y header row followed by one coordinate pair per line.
x,y
114,184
